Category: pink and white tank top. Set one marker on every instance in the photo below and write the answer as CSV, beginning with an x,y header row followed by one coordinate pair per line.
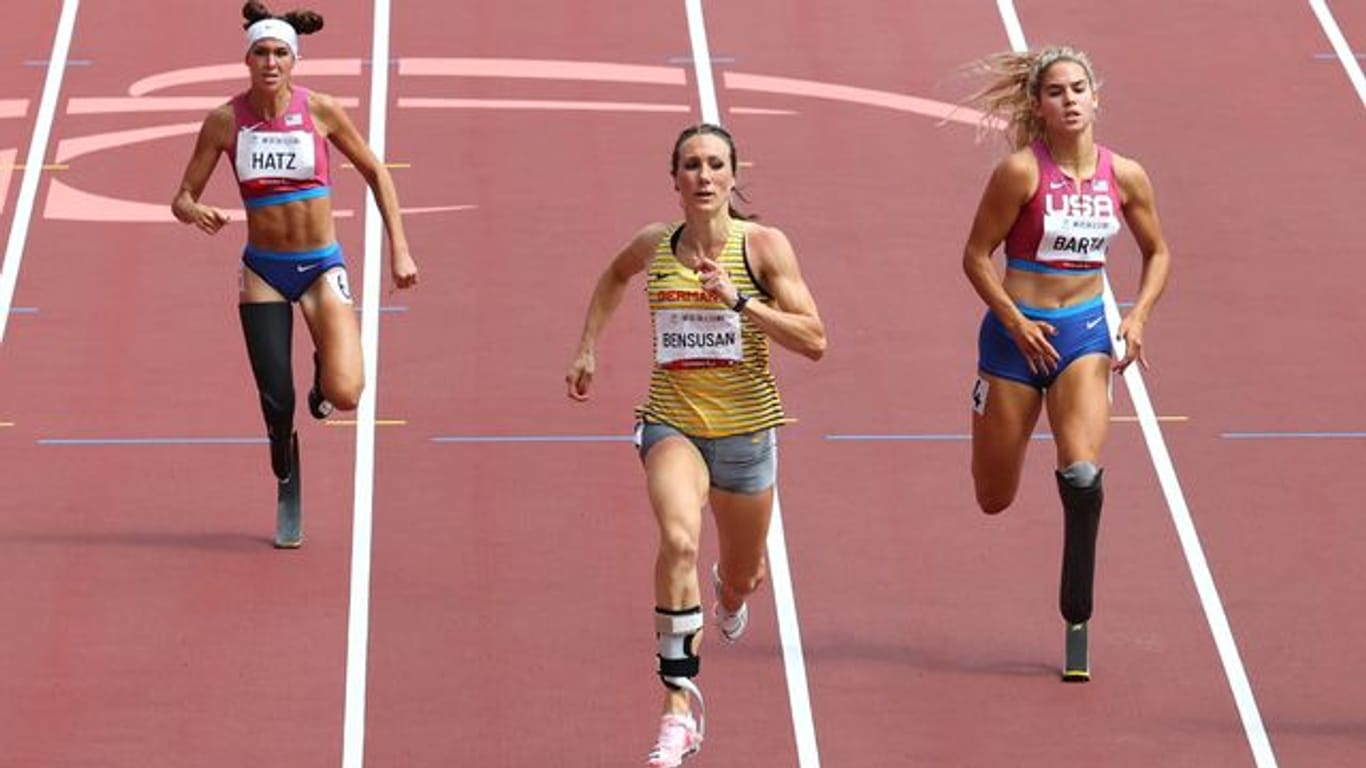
x,y
280,160
1068,224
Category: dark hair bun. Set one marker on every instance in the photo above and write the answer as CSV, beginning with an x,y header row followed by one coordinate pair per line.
x,y
304,22
253,11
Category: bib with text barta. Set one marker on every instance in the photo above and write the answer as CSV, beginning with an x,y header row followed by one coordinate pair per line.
x,y
275,155
697,338
1077,227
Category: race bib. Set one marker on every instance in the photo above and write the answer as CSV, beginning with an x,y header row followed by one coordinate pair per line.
x,y
271,155
1077,228
697,338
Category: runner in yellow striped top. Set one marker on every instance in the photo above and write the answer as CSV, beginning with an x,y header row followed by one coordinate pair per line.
x,y
711,376
720,287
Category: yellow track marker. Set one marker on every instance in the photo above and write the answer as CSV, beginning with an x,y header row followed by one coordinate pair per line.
x,y
46,167
378,422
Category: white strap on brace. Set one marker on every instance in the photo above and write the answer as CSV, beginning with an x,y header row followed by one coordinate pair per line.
x,y
674,631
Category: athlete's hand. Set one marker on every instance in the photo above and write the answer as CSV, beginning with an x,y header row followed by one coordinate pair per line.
x,y
580,375
403,269
1131,333
208,219
1031,336
717,282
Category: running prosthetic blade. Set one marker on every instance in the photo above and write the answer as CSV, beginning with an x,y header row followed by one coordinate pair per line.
x,y
289,524
1076,667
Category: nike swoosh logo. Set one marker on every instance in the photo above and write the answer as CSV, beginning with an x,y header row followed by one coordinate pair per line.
x,y
306,267
1093,323
658,275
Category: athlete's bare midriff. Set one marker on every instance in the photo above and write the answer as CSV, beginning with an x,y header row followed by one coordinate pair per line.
x,y
299,225
1051,291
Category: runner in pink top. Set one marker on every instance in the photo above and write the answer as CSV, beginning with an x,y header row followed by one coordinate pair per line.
x,y
273,134
280,159
1068,224
1056,202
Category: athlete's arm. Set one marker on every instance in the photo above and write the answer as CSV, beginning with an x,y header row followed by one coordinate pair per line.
x,y
1140,212
792,320
343,134
212,141
607,293
1010,187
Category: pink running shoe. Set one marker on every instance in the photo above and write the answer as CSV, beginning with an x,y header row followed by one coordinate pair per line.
x,y
731,624
678,739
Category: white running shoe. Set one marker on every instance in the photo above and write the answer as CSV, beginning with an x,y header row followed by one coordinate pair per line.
x,y
731,623
678,739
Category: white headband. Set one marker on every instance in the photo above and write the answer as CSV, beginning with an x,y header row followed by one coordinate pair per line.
x,y
278,29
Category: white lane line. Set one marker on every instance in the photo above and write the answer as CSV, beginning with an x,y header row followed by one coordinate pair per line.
x,y
358,623
1340,46
1180,512
33,166
1014,32
701,62
790,635
780,572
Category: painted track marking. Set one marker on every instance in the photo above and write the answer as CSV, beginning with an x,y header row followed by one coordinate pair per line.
x,y
37,150
358,612
789,630
1291,435
1340,47
532,439
1176,501
153,441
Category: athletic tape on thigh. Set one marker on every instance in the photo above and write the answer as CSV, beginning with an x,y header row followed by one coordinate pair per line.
x,y
980,389
336,279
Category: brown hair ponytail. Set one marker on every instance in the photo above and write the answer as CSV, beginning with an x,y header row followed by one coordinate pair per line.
x,y
1012,90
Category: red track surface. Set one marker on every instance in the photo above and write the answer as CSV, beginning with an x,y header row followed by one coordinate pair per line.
x,y
148,622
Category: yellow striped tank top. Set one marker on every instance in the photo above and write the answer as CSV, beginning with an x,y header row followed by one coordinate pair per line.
x,y
711,376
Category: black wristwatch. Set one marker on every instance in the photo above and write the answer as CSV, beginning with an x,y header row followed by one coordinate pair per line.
x,y
740,301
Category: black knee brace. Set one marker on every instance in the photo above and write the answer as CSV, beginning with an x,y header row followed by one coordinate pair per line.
x,y
1080,488
269,331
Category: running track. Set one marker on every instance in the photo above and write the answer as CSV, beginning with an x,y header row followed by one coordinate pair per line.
x,y
149,623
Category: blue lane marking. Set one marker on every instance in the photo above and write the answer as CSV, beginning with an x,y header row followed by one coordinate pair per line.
x,y
532,439
153,441
1288,435
688,60
1334,56
69,62
924,438
23,310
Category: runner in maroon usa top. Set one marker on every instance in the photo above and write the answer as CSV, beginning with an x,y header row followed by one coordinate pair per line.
x,y
276,135
1056,202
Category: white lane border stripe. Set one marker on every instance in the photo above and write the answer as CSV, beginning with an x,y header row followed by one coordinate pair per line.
x,y
701,63
1176,501
1340,46
790,635
780,573
358,623
33,167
